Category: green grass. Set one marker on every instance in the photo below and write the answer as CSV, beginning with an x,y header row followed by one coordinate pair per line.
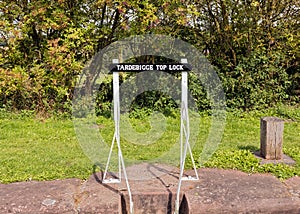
x,y
35,149
242,136
39,150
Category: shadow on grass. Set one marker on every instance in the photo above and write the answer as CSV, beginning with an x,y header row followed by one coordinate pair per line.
x,y
250,148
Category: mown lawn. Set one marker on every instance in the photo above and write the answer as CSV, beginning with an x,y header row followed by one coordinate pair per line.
x,y
47,149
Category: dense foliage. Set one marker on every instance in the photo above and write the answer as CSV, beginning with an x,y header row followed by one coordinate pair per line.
x,y
44,45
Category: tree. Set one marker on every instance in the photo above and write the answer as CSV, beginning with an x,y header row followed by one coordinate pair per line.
x,y
44,45
47,45
252,45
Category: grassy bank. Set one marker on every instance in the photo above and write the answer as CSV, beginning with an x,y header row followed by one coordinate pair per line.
x,y
45,149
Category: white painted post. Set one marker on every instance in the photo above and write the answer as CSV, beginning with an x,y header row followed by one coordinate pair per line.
x,y
184,135
116,104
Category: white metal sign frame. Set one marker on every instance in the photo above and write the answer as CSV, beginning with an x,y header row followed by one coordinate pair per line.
x,y
184,137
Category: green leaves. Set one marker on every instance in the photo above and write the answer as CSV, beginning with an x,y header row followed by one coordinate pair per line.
x,y
245,161
253,45
258,81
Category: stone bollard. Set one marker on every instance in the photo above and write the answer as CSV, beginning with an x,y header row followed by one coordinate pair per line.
x,y
271,138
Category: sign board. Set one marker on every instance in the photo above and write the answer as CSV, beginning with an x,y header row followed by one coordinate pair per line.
x,y
131,67
182,67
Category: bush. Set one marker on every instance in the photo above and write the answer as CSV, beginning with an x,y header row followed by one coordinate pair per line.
x,y
257,82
